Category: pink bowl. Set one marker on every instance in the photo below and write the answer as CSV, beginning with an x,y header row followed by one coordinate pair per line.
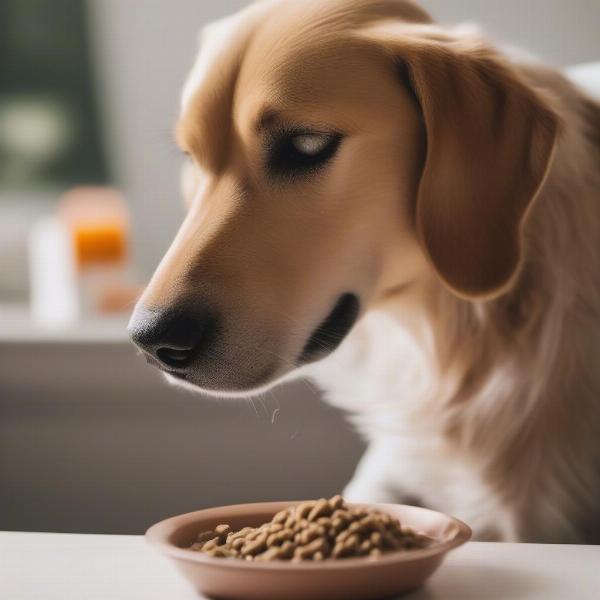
x,y
344,579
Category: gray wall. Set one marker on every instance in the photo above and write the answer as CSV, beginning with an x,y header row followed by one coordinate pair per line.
x,y
562,32
93,440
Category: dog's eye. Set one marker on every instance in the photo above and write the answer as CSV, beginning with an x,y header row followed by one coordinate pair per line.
x,y
311,144
301,152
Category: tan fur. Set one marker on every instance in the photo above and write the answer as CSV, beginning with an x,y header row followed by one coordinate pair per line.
x,y
464,209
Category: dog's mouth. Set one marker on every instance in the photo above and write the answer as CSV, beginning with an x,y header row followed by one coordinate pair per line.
x,y
331,332
214,377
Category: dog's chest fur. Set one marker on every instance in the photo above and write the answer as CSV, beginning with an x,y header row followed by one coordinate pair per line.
x,y
382,375
424,449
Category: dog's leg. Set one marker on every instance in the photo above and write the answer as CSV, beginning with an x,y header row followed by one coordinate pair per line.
x,y
393,470
375,477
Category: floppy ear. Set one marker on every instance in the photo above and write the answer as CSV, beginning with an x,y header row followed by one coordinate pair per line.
x,y
490,140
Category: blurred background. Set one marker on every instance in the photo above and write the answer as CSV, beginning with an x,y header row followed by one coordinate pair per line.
x,y
91,439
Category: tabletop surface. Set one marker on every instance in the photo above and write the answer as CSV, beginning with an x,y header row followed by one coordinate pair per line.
x,y
56,566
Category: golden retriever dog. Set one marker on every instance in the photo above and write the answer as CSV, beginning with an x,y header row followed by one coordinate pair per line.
x,y
411,217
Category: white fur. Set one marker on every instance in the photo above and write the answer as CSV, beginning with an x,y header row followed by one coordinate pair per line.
x,y
384,378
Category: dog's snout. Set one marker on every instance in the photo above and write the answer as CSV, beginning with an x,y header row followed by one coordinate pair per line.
x,y
174,337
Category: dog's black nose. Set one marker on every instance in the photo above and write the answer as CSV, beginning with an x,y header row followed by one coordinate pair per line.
x,y
174,337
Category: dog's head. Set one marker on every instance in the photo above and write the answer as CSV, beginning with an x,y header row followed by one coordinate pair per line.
x,y
339,152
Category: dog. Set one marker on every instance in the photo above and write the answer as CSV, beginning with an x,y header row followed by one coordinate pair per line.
x,y
411,217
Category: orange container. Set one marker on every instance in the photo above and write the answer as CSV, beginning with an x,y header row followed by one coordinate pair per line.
x,y
99,223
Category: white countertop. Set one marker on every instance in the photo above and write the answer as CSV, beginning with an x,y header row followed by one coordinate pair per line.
x,y
17,326
54,566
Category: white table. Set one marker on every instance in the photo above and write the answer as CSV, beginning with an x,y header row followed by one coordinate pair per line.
x,y
54,566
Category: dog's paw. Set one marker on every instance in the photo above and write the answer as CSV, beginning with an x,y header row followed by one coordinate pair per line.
x,y
357,492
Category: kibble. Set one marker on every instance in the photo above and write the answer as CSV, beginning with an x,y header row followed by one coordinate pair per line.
x,y
317,530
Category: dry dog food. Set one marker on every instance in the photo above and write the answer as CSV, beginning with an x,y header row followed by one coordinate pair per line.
x,y
315,530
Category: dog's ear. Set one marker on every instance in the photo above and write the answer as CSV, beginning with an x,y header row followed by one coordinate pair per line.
x,y
490,140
